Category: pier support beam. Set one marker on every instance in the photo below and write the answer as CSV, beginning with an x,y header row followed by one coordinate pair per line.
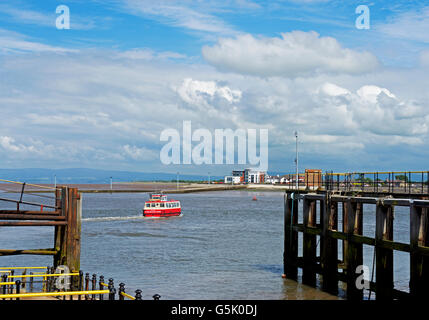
x,y
354,252
309,242
290,254
67,238
419,264
384,256
329,257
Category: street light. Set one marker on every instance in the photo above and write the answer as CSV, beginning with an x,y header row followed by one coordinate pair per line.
x,y
296,159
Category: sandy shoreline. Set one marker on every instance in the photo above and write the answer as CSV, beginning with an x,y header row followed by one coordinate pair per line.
x,y
144,187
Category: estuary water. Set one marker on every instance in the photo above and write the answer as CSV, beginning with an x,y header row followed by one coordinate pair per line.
x,y
224,246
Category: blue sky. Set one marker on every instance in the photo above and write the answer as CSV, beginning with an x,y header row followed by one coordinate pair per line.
x,y
99,95
167,25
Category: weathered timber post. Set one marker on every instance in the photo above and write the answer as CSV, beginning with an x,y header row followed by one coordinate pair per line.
x,y
67,238
290,255
322,213
309,242
419,264
329,258
384,256
344,212
354,252
60,231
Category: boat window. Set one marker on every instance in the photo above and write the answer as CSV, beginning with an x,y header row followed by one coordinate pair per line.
x,y
162,205
147,205
153,205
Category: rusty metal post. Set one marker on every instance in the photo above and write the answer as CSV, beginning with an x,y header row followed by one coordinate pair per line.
x,y
11,286
4,279
138,294
86,285
31,282
94,283
80,283
18,288
101,281
112,289
112,293
121,290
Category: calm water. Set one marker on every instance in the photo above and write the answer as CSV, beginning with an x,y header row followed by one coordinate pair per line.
x,y
225,246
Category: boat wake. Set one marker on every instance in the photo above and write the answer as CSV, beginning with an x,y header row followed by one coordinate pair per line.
x,y
114,218
126,218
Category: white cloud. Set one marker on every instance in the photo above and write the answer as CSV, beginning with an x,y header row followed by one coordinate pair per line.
x,y
12,42
375,110
139,154
331,89
295,54
8,144
148,54
410,25
199,92
28,16
94,109
191,15
371,93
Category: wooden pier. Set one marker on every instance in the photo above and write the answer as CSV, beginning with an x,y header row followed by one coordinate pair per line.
x,y
319,214
64,214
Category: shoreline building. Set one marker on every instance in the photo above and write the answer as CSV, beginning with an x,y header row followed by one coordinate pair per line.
x,y
246,176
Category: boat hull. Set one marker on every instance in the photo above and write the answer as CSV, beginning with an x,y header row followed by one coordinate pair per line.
x,y
162,213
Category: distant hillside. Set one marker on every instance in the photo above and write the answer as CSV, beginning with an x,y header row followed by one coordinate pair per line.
x,y
83,175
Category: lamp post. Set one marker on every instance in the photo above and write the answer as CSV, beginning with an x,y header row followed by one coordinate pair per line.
x,y
296,160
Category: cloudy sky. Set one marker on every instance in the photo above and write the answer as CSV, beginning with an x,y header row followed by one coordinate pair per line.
x,y
99,94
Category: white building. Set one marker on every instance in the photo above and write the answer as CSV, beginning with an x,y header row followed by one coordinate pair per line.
x,y
232,179
253,176
246,176
272,179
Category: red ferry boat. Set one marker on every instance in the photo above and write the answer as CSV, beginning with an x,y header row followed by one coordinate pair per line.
x,y
159,206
